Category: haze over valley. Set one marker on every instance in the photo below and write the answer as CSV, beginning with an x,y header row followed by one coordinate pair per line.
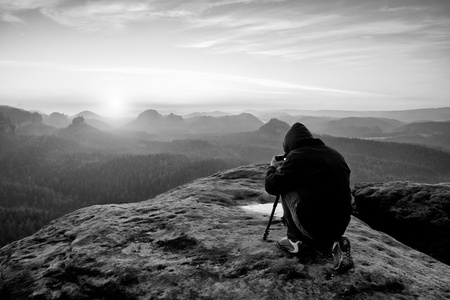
x,y
53,164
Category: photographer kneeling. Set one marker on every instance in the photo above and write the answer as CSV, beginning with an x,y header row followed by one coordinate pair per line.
x,y
314,183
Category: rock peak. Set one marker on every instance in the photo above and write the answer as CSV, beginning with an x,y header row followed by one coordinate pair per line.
x,y
196,242
150,113
275,127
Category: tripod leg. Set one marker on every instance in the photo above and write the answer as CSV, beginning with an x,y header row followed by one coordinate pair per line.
x,y
266,233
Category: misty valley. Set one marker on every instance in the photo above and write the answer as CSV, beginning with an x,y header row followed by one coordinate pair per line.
x,y
53,164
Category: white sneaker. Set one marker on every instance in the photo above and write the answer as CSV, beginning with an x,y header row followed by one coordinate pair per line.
x,y
287,245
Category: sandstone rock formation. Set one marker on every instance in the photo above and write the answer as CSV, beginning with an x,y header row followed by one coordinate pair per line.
x,y
196,242
416,214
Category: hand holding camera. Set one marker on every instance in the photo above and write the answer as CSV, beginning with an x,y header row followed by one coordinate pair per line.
x,y
277,160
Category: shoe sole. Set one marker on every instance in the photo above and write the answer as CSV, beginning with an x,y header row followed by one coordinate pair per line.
x,y
345,260
285,249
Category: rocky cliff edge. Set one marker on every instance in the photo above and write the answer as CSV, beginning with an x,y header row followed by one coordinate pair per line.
x,y
196,242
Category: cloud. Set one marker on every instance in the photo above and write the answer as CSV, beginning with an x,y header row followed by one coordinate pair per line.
x,y
285,29
200,78
20,5
95,16
293,30
98,16
9,18
400,9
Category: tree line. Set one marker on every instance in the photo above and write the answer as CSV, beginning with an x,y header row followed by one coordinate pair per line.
x,y
40,181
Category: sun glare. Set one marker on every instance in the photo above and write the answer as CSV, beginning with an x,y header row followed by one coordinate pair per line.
x,y
114,106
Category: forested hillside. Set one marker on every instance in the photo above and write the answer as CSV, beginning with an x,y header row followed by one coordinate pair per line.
x,y
432,134
19,116
376,161
42,178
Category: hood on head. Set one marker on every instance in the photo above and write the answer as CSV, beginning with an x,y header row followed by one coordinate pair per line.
x,y
295,137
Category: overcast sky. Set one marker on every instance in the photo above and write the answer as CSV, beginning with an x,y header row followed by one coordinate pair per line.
x,y
121,57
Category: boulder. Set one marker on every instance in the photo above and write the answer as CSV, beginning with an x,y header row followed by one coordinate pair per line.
x,y
197,242
414,213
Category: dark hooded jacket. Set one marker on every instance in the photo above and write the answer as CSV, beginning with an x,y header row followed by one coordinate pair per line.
x,y
321,177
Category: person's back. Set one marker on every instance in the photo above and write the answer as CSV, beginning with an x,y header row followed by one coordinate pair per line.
x,y
314,183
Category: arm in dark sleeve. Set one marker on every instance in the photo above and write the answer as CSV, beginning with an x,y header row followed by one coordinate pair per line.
x,y
280,181
270,181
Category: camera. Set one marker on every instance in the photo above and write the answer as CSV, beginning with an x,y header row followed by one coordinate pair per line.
x,y
280,157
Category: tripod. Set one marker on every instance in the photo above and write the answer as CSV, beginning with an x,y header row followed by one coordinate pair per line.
x,y
266,233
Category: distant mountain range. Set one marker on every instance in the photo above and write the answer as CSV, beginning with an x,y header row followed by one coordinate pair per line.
x,y
225,124
151,121
369,159
368,125
351,126
59,120
406,116
211,114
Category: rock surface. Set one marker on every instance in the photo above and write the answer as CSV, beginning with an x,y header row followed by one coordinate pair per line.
x,y
196,242
416,214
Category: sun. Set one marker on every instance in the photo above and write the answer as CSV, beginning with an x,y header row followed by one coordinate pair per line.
x,y
114,106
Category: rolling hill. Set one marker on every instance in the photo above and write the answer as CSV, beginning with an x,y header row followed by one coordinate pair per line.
x,y
406,116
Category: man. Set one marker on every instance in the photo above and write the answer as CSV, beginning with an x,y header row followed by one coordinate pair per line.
x,y
313,181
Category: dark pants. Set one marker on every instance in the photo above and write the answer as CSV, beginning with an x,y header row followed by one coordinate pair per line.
x,y
295,230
